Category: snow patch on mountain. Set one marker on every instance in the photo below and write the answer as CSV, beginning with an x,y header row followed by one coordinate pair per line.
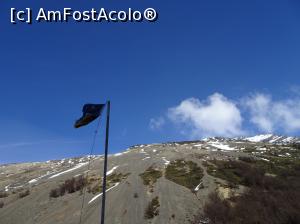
x,y
259,138
222,146
274,139
112,170
69,170
198,186
166,162
99,195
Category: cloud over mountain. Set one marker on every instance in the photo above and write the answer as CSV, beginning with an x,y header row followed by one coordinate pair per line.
x,y
156,123
269,115
216,115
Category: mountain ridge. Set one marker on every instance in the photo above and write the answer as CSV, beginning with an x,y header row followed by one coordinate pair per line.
x,y
163,183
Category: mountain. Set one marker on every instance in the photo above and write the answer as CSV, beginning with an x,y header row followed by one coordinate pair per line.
x,y
155,183
270,138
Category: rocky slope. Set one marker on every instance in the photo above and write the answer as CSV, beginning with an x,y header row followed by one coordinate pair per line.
x,y
158,183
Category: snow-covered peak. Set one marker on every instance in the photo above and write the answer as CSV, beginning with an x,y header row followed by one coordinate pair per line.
x,y
213,139
266,138
259,138
270,138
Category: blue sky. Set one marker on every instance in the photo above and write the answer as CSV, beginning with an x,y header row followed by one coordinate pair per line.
x,y
162,78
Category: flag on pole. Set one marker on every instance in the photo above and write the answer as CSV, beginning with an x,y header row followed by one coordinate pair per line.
x,y
90,113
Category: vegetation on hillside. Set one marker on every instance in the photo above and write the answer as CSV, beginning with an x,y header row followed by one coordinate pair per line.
x,y
3,194
69,186
152,209
270,199
93,184
150,176
24,194
185,173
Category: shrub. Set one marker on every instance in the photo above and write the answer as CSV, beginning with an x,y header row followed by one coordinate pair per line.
x,y
17,190
95,186
54,193
217,210
236,172
296,145
24,194
69,186
116,177
150,176
61,190
185,173
3,194
270,199
247,159
256,206
95,189
78,183
152,209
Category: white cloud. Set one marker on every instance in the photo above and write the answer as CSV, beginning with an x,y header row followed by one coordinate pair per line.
x,y
156,123
269,115
220,116
217,116
259,106
295,89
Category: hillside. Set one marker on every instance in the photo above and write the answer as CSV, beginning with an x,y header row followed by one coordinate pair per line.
x,y
157,183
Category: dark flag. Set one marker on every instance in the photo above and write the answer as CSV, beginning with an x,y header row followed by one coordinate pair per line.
x,y
90,113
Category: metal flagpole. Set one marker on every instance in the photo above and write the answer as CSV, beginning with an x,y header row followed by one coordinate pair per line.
x,y
105,162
